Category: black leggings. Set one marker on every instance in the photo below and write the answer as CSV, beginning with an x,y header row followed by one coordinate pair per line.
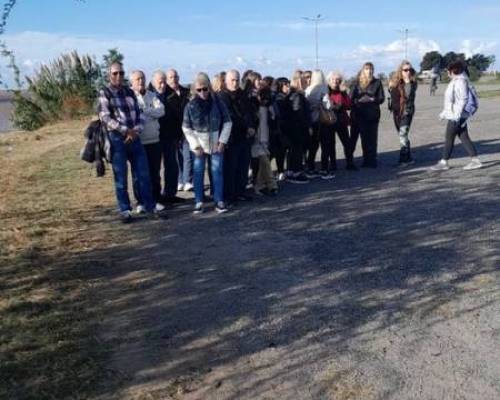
x,y
328,153
454,129
313,146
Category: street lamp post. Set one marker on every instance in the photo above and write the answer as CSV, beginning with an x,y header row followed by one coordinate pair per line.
x,y
405,33
316,21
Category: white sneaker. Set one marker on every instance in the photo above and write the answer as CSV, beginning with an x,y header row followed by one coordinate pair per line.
x,y
159,207
475,163
281,177
180,187
140,209
198,208
442,165
188,187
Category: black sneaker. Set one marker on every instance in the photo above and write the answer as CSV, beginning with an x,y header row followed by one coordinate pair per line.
x,y
221,208
299,178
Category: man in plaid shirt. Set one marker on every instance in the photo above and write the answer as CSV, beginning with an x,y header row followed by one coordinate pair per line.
x,y
120,114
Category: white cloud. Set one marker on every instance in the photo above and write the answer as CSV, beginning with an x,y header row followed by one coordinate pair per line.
x,y
471,47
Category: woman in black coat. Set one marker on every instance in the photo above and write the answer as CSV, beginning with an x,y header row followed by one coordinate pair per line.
x,y
367,94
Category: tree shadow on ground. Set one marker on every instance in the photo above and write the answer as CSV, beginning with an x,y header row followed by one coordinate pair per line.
x,y
251,297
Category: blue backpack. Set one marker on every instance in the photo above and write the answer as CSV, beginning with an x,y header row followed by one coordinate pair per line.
x,y
472,104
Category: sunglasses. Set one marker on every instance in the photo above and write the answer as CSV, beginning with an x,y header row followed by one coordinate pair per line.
x,y
406,70
203,89
121,73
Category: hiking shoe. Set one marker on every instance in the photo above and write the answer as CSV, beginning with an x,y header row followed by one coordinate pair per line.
x,y
442,165
327,175
311,174
221,208
198,208
140,209
474,164
298,178
126,217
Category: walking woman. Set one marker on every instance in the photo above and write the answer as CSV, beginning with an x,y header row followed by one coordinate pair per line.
x,y
367,94
455,101
340,102
402,91
315,94
207,127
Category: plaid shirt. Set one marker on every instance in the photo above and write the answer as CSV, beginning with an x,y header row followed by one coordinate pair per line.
x,y
120,111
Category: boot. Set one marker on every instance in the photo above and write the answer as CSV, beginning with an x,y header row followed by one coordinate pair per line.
x,y
409,158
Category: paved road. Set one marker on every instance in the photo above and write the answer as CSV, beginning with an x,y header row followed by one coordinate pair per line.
x,y
383,284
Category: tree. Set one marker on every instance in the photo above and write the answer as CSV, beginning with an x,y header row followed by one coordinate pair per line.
x,y
113,56
431,60
481,62
450,57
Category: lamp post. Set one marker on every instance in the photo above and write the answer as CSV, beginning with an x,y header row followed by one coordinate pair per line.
x,y
316,20
405,32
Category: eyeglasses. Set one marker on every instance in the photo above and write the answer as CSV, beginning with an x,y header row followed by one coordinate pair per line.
x,y
121,73
406,70
203,89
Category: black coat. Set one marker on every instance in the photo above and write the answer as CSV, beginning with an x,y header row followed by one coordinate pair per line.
x,y
367,111
399,103
241,113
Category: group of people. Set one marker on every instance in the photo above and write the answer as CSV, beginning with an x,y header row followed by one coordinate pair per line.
x,y
235,126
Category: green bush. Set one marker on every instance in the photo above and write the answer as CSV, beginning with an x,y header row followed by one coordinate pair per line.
x,y
65,88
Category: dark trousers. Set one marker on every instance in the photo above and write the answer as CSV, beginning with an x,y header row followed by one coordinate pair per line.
x,y
368,130
153,154
170,167
236,166
313,146
328,150
278,148
295,155
454,129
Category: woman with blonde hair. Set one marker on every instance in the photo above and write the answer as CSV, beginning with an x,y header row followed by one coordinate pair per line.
x,y
207,126
315,93
367,94
402,92
218,82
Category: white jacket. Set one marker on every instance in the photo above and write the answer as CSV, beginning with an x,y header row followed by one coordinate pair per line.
x,y
152,109
455,98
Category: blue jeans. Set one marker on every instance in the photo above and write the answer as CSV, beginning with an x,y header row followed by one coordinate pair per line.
x,y
216,167
134,153
170,168
185,164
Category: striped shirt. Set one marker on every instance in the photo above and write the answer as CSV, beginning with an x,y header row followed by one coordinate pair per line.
x,y
118,109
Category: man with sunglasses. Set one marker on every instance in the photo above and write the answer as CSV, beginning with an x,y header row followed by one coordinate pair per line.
x,y
120,114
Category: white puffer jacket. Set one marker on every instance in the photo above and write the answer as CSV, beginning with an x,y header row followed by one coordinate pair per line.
x,y
455,98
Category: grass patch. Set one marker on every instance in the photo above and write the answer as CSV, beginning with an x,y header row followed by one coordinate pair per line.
x,y
49,341
488,94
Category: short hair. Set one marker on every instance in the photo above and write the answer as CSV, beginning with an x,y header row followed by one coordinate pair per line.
x,y
137,71
456,67
201,77
159,72
113,64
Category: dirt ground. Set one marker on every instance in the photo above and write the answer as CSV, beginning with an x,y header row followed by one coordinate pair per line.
x,y
382,284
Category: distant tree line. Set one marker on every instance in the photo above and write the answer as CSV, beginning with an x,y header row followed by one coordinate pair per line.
x,y
477,64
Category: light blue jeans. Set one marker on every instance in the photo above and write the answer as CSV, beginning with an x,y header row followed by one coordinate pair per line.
x,y
216,161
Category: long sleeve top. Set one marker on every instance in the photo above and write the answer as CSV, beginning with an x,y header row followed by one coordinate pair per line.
x,y
119,110
455,98
152,109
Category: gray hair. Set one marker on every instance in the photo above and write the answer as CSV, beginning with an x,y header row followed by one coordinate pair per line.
x,y
203,79
137,72
160,73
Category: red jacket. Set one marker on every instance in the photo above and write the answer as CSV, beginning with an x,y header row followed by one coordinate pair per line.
x,y
341,99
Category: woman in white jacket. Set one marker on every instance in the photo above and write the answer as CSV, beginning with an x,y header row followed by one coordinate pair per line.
x,y
455,100
207,126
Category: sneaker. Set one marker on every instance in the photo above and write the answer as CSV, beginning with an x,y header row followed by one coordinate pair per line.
x,y
198,208
221,208
180,187
327,176
311,174
281,177
442,165
140,209
126,217
298,178
188,187
159,207
475,163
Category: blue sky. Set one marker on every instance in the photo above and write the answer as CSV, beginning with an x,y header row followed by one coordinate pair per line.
x,y
269,36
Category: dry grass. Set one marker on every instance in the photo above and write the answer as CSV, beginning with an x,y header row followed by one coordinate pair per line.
x,y
48,339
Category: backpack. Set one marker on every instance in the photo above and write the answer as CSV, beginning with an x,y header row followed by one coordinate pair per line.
x,y
472,104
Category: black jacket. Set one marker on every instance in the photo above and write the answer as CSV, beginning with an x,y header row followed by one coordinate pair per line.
x,y
400,103
241,113
171,122
367,111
